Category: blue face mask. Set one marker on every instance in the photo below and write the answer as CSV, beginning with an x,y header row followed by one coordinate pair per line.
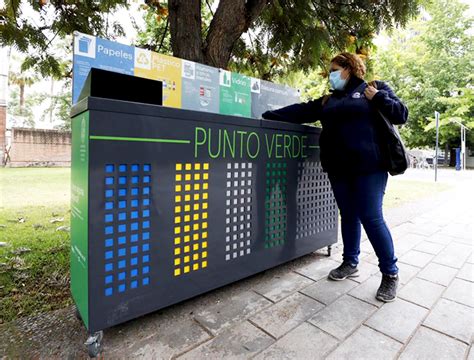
x,y
337,83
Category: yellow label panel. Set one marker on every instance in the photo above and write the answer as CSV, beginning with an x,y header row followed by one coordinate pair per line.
x,y
163,68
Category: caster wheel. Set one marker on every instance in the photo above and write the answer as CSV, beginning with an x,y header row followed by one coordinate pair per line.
x,y
329,250
93,344
93,349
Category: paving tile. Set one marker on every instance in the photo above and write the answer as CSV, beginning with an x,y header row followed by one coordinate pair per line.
x,y
429,247
326,291
441,239
230,311
411,238
453,319
421,292
304,342
461,291
367,290
466,272
318,269
427,229
398,319
342,316
428,344
401,230
366,344
163,334
366,247
458,230
437,273
366,270
287,314
453,255
471,353
239,342
416,258
281,286
406,273
372,259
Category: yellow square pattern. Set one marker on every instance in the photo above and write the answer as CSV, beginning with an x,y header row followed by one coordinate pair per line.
x,y
191,197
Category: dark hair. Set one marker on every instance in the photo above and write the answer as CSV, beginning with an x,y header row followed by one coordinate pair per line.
x,y
352,62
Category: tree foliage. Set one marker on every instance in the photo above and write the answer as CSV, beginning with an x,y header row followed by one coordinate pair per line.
x,y
57,19
280,35
430,64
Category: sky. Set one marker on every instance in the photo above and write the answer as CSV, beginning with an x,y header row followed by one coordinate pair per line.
x,y
124,18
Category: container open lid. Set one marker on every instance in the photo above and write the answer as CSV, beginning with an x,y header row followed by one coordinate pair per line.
x,y
117,86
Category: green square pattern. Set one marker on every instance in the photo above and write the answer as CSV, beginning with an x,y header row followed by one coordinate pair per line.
x,y
275,204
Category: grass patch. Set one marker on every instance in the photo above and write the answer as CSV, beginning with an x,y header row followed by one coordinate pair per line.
x,y
34,264
400,191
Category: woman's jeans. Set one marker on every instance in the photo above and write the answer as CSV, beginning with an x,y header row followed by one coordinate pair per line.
x,y
359,198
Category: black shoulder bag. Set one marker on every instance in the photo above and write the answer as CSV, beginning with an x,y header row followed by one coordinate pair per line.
x,y
391,144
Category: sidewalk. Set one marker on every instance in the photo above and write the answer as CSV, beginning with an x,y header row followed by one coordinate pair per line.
x,y
294,312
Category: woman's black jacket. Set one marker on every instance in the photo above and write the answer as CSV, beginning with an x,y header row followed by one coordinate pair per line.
x,y
349,141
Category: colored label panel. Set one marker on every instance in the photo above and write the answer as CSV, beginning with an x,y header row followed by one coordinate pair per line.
x,y
200,87
191,217
91,52
235,96
79,214
270,96
164,68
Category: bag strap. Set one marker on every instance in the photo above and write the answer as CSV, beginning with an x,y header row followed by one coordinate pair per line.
x,y
372,83
325,99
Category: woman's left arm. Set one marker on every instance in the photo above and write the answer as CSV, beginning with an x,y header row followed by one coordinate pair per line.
x,y
389,104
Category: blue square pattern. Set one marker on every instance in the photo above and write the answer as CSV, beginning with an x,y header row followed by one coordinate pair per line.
x,y
126,258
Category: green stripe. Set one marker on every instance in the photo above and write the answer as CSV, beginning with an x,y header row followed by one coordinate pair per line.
x,y
314,146
118,138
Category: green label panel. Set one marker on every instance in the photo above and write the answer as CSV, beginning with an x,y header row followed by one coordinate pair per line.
x,y
79,214
235,96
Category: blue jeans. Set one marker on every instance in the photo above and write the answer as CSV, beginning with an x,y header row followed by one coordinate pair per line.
x,y
359,199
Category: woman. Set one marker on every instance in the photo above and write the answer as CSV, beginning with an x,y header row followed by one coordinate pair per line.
x,y
352,158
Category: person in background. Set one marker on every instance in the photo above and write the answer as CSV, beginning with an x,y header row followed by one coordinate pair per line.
x,y
353,159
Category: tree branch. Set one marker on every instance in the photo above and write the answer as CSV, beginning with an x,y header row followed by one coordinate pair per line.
x,y
185,26
231,20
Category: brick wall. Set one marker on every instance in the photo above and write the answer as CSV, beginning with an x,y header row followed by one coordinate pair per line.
x,y
32,147
3,122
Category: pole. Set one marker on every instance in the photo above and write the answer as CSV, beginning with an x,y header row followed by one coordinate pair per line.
x,y
463,148
435,162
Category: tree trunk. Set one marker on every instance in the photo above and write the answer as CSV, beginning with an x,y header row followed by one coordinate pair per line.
x,y
231,20
22,97
185,29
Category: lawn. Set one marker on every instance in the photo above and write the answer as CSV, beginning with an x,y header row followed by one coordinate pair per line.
x,y
34,224
34,264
